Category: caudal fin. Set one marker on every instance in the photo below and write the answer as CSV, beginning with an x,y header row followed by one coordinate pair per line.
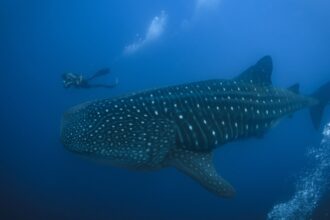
x,y
323,97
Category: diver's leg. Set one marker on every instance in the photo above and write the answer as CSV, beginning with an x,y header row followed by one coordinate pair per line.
x,y
108,86
99,73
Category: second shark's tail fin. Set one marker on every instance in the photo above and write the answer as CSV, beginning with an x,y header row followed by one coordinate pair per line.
x,y
323,97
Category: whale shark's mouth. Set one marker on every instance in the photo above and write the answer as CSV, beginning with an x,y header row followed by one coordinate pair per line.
x,y
72,128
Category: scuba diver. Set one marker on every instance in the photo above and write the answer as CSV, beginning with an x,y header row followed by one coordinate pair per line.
x,y
79,81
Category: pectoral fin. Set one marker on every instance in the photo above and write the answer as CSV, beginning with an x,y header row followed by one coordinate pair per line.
x,y
199,166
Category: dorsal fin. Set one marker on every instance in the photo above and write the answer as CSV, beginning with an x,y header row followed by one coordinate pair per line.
x,y
260,73
294,88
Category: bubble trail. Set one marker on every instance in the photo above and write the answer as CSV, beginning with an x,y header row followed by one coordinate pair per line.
x,y
310,186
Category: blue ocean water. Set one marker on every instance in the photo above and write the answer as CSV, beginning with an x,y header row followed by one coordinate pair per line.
x,y
151,44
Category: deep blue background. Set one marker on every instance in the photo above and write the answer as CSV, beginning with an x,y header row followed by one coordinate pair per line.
x,y
39,40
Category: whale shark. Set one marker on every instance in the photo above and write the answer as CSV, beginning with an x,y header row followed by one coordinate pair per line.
x,y
181,126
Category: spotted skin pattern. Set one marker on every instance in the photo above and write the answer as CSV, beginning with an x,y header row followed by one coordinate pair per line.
x,y
181,125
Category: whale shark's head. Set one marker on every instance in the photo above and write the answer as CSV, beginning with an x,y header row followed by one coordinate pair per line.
x,y
76,126
106,131
89,129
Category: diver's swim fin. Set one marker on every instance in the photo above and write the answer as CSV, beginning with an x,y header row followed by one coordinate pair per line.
x,y
316,111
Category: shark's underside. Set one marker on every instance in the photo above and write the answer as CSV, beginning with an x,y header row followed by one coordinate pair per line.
x,y
181,125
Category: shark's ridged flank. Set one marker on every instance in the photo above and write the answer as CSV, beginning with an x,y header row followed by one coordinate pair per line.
x,y
181,125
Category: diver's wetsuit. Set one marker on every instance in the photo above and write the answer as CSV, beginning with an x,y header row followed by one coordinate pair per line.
x,y
78,81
